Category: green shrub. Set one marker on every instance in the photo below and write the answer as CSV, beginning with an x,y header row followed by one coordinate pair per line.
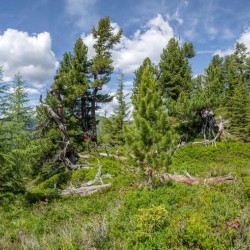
x,y
199,234
40,194
151,219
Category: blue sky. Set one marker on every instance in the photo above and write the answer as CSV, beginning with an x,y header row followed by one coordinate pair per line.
x,y
35,34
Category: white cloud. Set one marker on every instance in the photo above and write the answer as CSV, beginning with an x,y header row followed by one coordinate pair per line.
x,y
32,91
244,38
29,55
26,89
108,108
148,41
145,42
223,53
82,11
89,41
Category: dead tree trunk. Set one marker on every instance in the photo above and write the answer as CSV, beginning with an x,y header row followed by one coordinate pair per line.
x,y
220,131
190,180
67,154
208,127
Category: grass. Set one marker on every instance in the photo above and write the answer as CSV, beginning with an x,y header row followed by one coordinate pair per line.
x,y
131,216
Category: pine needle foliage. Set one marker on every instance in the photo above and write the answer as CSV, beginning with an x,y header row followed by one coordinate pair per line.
x,y
150,137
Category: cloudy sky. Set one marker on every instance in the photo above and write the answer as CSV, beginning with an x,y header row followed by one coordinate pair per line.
x,y
35,34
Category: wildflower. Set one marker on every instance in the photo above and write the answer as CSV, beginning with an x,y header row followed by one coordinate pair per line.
x,y
227,228
237,220
229,223
235,225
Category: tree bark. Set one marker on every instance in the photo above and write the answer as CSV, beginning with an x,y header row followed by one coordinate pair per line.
x,y
93,115
85,190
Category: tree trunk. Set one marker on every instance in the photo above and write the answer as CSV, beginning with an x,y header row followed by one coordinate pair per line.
x,y
67,155
84,114
93,117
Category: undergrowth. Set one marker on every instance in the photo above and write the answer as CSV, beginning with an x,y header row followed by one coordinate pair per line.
x,y
129,215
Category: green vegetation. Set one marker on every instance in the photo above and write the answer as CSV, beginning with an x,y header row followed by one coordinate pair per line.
x,y
129,215
180,124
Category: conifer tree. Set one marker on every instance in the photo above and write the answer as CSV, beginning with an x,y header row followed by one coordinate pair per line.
x,y
72,82
214,84
175,71
138,74
121,113
105,131
17,137
237,92
101,67
112,128
150,137
240,112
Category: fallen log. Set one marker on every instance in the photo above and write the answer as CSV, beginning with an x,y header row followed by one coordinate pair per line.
x,y
215,180
181,178
190,180
86,190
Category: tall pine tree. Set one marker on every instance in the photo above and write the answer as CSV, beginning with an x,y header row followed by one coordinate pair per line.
x,y
237,92
72,82
17,139
101,67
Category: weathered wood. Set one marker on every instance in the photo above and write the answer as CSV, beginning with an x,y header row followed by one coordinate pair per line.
x,y
221,131
190,180
219,179
89,187
87,190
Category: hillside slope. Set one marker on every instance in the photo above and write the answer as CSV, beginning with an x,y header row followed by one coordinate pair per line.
x,y
129,215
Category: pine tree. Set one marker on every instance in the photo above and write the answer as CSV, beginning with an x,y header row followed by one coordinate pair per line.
x,y
150,138
105,131
121,113
240,112
214,84
101,67
237,92
138,74
17,137
111,130
72,82
175,71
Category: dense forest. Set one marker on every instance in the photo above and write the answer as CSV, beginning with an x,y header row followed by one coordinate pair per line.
x,y
173,173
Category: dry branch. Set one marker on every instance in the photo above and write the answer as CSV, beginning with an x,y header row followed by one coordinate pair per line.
x,y
89,187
